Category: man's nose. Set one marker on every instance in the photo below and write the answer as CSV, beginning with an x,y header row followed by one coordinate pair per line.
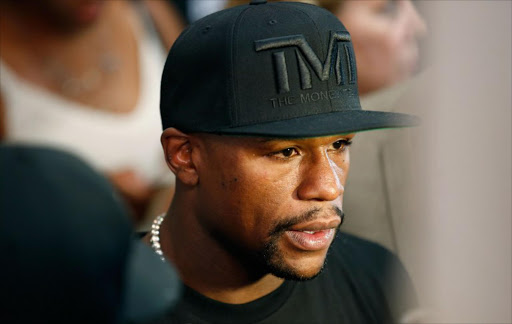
x,y
321,180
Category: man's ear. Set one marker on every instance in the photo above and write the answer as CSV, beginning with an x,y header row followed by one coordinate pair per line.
x,y
178,154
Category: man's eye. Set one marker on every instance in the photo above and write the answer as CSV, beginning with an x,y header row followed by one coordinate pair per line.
x,y
341,144
286,153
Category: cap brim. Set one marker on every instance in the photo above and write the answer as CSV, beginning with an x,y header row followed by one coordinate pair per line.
x,y
152,286
340,122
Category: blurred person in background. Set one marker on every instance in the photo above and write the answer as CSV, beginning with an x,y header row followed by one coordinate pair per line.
x,y
68,247
83,76
385,34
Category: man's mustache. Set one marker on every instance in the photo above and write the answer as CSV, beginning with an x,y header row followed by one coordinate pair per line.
x,y
310,215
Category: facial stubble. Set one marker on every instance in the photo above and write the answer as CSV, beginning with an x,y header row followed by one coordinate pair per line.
x,y
274,260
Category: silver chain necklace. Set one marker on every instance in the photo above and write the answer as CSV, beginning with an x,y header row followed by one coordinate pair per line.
x,y
155,235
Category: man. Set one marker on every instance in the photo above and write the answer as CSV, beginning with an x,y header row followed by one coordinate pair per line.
x,y
259,105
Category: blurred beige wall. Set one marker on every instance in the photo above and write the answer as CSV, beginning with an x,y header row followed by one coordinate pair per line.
x,y
459,247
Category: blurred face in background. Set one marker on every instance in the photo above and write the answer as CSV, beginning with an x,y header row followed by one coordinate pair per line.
x,y
74,13
385,37
64,15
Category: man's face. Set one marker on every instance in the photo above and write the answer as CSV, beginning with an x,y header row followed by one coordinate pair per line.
x,y
273,203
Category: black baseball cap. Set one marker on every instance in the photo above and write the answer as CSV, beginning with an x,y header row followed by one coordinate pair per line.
x,y
68,250
282,69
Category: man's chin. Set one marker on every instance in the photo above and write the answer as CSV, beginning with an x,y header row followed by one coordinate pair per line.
x,y
294,274
296,268
284,262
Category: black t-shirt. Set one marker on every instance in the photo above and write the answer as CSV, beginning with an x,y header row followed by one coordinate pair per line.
x,y
358,285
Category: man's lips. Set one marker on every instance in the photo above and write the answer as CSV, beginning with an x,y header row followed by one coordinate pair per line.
x,y
317,225
313,236
311,241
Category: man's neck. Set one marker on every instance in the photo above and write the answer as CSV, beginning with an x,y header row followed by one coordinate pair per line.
x,y
203,263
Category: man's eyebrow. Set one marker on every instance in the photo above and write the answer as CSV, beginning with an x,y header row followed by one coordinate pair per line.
x,y
284,139
273,140
268,139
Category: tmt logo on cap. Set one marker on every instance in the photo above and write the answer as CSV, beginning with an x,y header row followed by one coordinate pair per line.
x,y
304,53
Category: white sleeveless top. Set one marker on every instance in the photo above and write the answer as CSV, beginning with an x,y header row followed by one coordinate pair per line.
x,y
107,141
